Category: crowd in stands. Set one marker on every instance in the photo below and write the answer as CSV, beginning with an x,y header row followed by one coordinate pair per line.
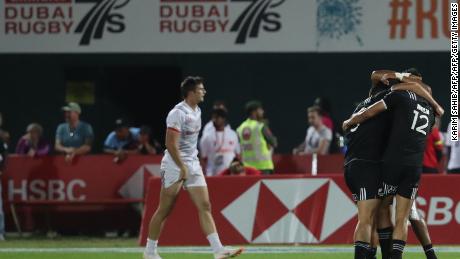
x,y
245,150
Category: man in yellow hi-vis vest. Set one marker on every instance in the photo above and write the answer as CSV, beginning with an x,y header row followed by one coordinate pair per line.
x,y
256,139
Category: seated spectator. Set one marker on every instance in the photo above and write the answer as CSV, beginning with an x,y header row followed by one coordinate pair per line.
x,y
73,137
325,107
146,144
237,168
218,147
122,141
32,143
318,136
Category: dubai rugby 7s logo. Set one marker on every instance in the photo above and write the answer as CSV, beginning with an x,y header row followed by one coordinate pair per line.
x,y
102,16
258,15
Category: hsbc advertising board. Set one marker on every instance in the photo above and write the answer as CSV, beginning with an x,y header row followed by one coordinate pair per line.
x,y
189,26
295,209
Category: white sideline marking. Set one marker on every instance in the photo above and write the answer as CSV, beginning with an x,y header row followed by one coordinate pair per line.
x,y
206,250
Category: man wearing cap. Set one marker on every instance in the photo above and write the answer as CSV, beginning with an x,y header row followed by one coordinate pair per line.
x,y
73,137
122,141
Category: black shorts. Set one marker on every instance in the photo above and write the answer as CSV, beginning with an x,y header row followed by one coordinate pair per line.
x,y
401,179
364,179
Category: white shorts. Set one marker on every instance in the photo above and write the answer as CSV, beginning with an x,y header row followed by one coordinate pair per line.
x,y
170,174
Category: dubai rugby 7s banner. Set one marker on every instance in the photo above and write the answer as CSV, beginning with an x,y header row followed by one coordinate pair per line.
x,y
30,26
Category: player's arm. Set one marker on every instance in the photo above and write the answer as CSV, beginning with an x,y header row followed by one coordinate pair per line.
x,y
365,114
377,75
172,145
418,88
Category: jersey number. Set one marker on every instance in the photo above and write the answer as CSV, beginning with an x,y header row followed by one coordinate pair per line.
x,y
421,128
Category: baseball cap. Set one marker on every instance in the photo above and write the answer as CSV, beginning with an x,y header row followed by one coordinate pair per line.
x,y
72,107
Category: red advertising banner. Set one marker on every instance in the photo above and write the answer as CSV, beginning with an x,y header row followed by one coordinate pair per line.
x,y
52,184
294,209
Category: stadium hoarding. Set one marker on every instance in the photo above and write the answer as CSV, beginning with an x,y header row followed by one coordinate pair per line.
x,y
188,26
294,209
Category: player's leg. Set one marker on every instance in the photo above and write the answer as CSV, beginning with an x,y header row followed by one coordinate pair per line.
x,y
363,180
406,193
374,240
200,197
402,211
367,210
421,231
385,227
168,195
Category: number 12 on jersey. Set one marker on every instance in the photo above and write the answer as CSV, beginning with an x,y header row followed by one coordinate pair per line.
x,y
420,117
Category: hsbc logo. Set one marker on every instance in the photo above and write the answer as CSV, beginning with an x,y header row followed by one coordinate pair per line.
x,y
290,211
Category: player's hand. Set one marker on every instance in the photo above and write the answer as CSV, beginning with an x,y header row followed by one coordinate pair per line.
x,y
439,111
385,79
183,173
346,125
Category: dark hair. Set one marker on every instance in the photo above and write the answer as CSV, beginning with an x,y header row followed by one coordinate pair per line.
x,y
413,71
189,84
219,113
314,108
252,106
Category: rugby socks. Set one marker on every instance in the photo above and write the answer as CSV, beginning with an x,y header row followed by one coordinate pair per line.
x,y
398,248
429,252
151,247
361,250
385,235
373,253
215,243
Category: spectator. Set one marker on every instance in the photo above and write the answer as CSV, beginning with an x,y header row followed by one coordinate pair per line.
x,y
3,155
32,143
256,139
73,137
4,135
146,144
122,141
318,136
325,107
210,125
433,151
237,168
219,146
453,154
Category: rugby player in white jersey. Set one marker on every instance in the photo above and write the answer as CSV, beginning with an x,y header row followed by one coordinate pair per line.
x,y
180,167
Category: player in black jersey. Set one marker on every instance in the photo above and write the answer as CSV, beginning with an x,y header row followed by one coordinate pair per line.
x,y
411,120
365,146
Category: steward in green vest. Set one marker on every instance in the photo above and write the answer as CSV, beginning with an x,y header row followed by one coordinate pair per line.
x,y
256,139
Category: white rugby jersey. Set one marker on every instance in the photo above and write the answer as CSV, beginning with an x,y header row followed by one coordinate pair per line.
x,y
454,161
182,118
